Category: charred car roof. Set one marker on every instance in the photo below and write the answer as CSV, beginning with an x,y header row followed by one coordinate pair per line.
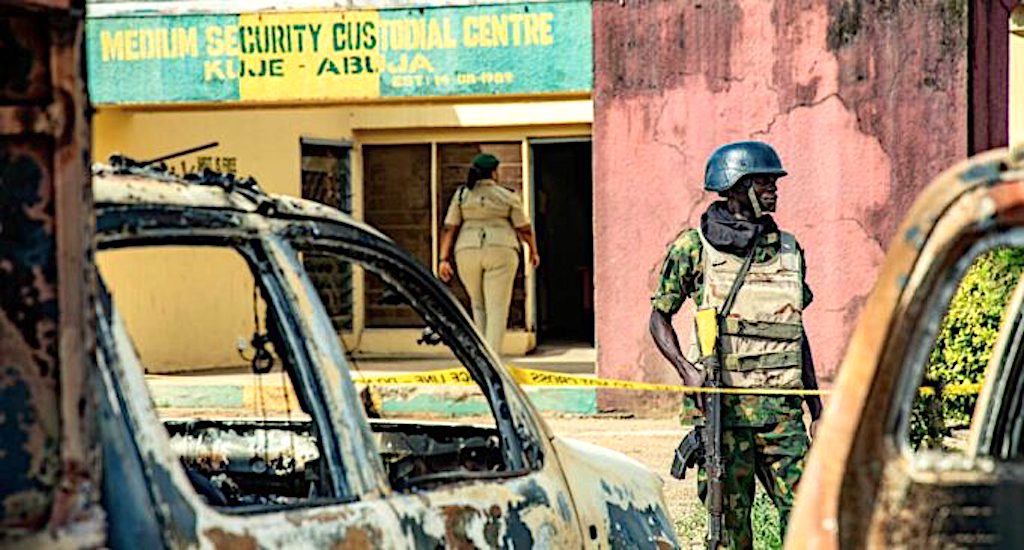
x,y
123,182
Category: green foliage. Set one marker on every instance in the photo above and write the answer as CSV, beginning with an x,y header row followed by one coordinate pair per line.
x,y
692,525
765,520
964,344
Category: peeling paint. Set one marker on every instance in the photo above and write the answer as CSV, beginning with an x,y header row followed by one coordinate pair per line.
x,y
845,25
29,375
221,539
48,450
618,506
563,508
854,94
633,528
692,38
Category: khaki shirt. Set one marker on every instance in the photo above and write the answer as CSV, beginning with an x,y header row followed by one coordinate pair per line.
x,y
486,215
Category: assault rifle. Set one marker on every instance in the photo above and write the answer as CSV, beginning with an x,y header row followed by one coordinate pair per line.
x,y
704,445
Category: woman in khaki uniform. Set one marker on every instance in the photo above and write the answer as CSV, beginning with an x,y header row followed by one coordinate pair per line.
x,y
490,222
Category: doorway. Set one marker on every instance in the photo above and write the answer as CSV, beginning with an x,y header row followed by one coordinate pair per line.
x,y
563,215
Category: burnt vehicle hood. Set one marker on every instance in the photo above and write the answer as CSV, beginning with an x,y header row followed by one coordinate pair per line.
x,y
617,499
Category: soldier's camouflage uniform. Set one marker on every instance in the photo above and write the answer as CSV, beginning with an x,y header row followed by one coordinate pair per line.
x,y
763,436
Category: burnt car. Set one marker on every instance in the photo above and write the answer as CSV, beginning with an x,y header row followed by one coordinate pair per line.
x,y
866,483
326,475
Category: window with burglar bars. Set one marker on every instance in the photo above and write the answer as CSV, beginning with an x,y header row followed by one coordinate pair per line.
x,y
325,179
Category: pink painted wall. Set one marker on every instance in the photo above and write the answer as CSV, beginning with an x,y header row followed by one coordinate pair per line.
x,y
864,104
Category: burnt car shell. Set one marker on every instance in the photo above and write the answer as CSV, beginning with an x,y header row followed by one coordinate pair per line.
x,y
863,487
555,492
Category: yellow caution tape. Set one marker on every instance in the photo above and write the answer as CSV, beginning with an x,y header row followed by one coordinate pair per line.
x,y
531,377
446,377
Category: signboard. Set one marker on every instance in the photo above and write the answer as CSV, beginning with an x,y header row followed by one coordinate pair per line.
x,y
523,48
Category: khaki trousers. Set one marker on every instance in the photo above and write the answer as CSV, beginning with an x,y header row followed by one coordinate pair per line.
x,y
488,273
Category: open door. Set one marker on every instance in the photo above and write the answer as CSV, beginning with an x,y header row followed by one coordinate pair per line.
x,y
563,216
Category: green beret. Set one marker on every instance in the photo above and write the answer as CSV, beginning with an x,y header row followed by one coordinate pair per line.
x,y
485,161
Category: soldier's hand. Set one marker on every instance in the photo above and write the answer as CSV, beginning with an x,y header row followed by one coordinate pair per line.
x,y
693,377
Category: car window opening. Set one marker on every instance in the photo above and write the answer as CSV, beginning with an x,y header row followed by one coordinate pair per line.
x,y
946,417
453,435
263,455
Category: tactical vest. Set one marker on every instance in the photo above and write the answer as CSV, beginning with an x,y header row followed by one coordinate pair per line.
x,y
761,338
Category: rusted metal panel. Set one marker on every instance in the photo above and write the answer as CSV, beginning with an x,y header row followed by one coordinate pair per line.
x,y
31,425
617,500
25,48
49,463
16,121
51,4
855,472
80,474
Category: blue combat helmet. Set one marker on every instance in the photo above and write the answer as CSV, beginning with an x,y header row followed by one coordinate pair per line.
x,y
732,161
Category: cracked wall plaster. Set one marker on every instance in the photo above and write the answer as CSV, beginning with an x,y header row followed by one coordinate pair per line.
x,y
861,123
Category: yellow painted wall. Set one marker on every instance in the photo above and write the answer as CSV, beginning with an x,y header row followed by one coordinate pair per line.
x,y
266,143
185,307
1017,75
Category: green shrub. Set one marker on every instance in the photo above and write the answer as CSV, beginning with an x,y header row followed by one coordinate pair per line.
x,y
765,523
692,526
964,344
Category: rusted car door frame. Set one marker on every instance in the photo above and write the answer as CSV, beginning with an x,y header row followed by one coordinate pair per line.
x,y
247,234
858,468
184,518
510,406
384,520
938,498
621,512
50,472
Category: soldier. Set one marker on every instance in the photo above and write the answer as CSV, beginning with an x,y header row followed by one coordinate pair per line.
x,y
763,436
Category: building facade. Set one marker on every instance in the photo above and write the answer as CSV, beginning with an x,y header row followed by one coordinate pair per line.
x,y
376,109
1016,62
